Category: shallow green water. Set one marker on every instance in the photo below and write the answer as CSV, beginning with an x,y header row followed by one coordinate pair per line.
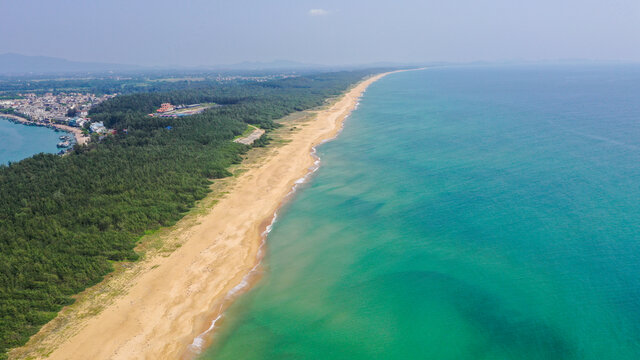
x,y
19,141
473,213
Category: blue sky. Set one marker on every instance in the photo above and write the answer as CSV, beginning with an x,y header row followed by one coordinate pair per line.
x,y
199,32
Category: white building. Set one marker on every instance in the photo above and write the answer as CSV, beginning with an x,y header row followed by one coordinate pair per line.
x,y
98,127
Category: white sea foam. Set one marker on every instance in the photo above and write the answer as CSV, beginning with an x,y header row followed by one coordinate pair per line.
x,y
198,342
267,230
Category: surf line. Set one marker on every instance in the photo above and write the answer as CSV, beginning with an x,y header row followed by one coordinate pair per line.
x,y
198,343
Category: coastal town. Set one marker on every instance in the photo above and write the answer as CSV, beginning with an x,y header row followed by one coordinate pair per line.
x,y
69,112
65,111
61,107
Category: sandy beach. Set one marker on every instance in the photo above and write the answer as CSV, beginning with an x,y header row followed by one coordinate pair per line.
x,y
77,133
173,298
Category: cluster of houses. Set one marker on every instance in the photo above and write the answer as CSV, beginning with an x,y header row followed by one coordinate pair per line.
x,y
62,108
78,122
165,107
169,110
98,128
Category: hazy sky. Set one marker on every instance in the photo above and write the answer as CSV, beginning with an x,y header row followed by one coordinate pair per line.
x,y
199,32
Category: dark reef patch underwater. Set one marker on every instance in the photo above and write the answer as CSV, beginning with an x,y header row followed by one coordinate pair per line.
x,y
463,213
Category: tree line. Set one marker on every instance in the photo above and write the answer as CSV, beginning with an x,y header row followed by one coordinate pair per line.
x,y
65,219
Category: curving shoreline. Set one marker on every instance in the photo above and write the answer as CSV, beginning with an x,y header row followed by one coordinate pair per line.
x,y
79,136
174,299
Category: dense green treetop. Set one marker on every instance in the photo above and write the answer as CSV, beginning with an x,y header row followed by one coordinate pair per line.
x,y
64,219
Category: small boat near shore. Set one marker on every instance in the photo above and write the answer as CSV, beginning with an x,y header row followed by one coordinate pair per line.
x,y
63,144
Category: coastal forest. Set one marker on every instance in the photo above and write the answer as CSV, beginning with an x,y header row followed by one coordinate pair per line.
x,y
64,220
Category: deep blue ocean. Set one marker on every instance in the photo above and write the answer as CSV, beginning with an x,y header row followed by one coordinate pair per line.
x,y
18,141
463,213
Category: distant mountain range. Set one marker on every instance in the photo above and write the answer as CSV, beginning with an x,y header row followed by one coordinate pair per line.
x,y
271,65
294,65
16,64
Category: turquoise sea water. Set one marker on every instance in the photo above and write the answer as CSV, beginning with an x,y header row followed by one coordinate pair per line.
x,y
19,141
469,213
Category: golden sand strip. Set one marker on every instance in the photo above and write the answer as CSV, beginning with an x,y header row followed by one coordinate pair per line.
x,y
170,300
